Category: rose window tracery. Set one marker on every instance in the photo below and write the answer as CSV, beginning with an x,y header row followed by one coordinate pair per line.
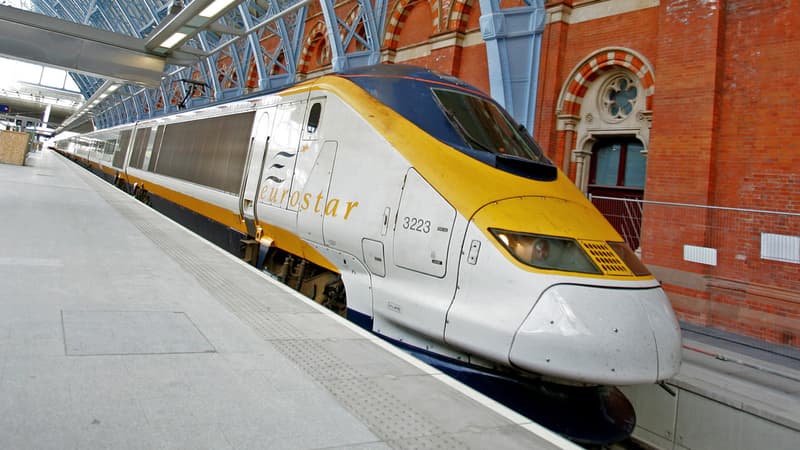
x,y
618,98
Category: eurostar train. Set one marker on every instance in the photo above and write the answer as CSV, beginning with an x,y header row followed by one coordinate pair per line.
x,y
413,204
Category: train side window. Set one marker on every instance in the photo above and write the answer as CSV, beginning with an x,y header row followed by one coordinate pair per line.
x,y
313,117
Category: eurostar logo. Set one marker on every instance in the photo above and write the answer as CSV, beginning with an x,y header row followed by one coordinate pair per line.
x,y
303,201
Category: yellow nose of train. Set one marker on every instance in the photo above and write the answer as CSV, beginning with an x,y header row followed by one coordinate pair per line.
x,y
588,310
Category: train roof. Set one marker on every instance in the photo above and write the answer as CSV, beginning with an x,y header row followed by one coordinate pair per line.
x,y
396,73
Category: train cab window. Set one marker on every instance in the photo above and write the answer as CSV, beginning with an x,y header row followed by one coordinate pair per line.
x,y
313,118
484,127
459,116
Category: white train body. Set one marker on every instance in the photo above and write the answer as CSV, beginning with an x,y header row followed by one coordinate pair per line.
x,y
416,230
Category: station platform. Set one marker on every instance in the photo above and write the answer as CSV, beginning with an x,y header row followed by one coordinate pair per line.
x,y
731,393
121,329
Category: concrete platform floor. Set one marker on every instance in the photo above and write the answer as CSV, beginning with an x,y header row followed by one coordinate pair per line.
x,y
120,329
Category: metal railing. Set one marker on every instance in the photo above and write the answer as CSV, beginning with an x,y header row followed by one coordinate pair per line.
x,y
625,214
745,245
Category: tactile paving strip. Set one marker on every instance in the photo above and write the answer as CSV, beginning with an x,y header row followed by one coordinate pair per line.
x,y
390,418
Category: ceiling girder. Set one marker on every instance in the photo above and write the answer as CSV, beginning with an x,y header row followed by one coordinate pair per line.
x,y
340,34
237,44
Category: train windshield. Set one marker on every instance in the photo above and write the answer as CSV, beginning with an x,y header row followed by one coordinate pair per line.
x,y
483,126
458,115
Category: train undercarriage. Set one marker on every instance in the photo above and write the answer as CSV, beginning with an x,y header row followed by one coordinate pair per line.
x,y
317,283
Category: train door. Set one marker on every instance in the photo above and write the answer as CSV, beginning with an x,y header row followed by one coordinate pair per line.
x,y
259,142
275,185
312,175
121,151
423,229
421,286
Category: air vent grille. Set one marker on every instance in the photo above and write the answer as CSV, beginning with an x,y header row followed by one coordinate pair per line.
x,y
605,258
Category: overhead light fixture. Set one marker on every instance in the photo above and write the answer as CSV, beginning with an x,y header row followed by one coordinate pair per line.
x,y
173,40
214,8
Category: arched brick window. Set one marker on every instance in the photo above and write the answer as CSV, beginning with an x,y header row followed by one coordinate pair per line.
x,y
609,93
316,51
604,113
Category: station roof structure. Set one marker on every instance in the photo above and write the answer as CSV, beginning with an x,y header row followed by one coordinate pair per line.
x,y
138,59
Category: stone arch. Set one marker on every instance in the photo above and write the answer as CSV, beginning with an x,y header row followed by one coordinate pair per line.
x,y
459,15
436,12
253,77
315,36
574,90
397,20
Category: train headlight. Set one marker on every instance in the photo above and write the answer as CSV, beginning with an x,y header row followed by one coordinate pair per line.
x,y
546,252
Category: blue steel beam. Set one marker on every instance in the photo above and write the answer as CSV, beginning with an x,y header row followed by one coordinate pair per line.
x,y
130,112
340,33
134,106
240,53
116,11
289,29
513,46
139,18
250,14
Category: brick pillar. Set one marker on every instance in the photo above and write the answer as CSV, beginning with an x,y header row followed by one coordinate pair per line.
x,y
684,133
446,49
685,112
683,145
552,71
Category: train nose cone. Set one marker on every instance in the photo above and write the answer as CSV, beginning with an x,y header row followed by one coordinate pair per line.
x,y
600,335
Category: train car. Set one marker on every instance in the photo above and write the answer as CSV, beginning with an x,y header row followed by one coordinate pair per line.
x,y
99,152
411,203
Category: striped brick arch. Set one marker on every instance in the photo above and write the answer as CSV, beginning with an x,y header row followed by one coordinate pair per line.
x,y
317,32
252,74
459,15
601,61
436,9
397,19
399,14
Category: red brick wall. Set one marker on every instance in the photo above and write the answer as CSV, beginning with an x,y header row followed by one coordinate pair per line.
x,y
551,79
473,67
755,163
757,158
722,137
418,25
